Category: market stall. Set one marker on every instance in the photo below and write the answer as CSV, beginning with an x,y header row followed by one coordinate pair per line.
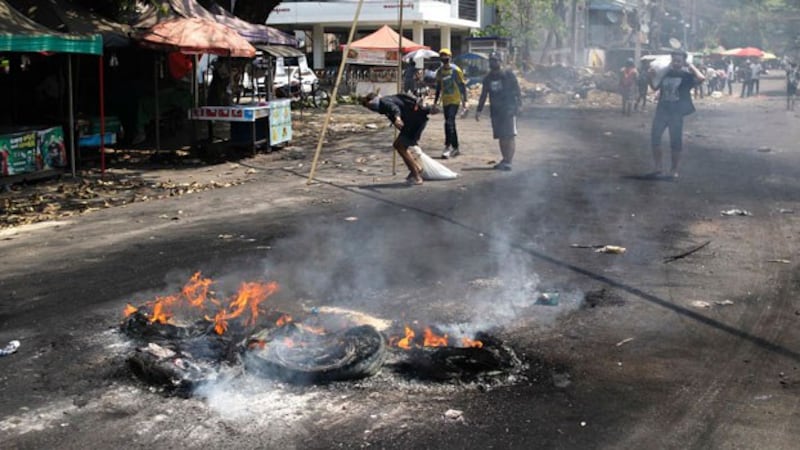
x,y
261,122
93,130
26,148
379,50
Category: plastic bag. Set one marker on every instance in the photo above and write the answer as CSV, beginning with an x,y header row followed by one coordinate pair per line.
x,y
661,64
431,169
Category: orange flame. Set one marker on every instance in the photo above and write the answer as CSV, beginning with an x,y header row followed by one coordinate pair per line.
x,y
196,290
130,310
250,295
431,339
283,320
406,341
197,293
467,342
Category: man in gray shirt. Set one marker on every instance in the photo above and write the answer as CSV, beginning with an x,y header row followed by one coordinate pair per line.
x,y
755,74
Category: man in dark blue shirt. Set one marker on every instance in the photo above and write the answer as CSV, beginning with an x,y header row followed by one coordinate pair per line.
x,y
502,88
674,103
410,117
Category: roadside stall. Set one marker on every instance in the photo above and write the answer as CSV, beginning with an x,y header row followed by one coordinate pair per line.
x,y
379,50
28,148
93,129
253,124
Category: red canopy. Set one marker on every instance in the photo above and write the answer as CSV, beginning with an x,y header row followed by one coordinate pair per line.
x,y
751,52
197,35
385,39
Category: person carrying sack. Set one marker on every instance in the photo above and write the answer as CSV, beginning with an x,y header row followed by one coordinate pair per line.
x,y
408,116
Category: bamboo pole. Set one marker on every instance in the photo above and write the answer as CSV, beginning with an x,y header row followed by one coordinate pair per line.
x,y
334,94
399,74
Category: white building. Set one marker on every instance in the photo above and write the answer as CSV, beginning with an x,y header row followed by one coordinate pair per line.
x,y
435,23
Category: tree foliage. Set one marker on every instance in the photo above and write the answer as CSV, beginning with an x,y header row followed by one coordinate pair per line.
x,y
528,21
254,11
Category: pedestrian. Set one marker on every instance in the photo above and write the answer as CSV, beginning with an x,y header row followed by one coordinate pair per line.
x,y
409,116
451,86
642,85
711,79
502,88
674,103
746,76
755,75
627,86
792,79
730,74
410,77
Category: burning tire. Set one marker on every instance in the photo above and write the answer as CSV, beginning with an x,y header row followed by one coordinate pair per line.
x,y
301,355
462,363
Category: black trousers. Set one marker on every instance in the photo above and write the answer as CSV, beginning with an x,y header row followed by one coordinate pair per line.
x,y
450,133
661,122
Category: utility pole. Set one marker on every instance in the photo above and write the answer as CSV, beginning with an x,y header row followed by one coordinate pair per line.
x,y
574,49
640,18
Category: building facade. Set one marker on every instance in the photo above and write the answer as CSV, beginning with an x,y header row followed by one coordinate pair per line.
x,y
435,23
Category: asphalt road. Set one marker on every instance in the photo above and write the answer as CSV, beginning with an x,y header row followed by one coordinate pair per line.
x,y
701,352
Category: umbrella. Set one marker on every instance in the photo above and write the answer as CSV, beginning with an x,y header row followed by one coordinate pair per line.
x,y
751,52
421,53
195,35
769,56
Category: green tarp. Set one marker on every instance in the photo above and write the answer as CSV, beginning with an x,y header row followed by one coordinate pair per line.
x,y
20,34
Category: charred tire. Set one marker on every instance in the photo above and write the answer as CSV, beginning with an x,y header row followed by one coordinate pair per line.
x,y
352,354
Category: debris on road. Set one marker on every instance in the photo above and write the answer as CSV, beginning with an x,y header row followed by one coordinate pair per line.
x,y
547,299
561,380
786,211
351,218
723,303
779,261
700,304
371,126
670,259
587,245
624,341
10,348
612,249
454,415
736,212
764,149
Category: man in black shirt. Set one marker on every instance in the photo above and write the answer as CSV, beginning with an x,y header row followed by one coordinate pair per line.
x,y
504,100
408,116
674,103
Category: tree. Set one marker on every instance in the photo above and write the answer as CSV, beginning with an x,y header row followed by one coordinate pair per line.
x,y
254,11
527,21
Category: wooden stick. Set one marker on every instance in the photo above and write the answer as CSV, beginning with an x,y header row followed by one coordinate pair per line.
x,y
334,94
669,259
399,74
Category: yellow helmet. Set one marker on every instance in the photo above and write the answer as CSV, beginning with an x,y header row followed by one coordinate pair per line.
x,y
445,52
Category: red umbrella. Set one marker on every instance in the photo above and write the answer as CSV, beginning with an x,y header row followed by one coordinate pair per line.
x,y
750,52
197,35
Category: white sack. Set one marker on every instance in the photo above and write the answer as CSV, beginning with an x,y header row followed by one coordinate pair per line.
x,y
431,169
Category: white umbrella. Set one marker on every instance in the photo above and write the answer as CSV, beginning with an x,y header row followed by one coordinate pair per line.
x,y
421,53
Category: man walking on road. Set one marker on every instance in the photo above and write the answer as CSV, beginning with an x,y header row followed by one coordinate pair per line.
x,y
451,86
792,79
408,116
504,100
755,76
674,103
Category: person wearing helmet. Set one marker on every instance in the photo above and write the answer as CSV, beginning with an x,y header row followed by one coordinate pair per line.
x,y
502,88
451,86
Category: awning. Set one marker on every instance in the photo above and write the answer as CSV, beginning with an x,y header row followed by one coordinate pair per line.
x,y
254,33
20,34
66,17
280,50
197,36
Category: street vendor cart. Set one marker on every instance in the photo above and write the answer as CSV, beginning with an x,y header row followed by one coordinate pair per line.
x,y
253,125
